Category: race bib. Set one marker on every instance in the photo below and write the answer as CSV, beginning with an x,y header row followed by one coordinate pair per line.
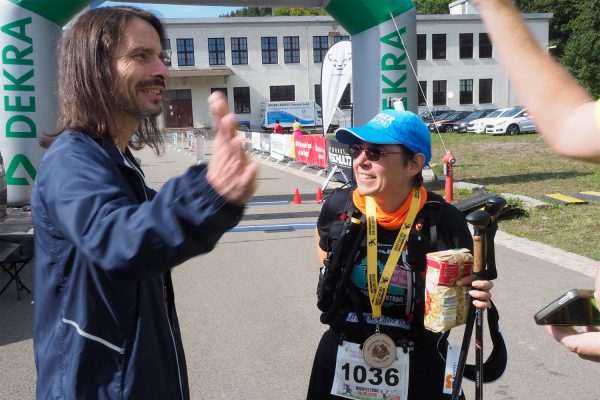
x,y
452,357
355,379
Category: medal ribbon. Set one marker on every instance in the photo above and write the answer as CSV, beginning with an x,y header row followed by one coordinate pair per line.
x,y
378,290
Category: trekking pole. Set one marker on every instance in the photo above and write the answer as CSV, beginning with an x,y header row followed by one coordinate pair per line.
x,y
485,226
480,220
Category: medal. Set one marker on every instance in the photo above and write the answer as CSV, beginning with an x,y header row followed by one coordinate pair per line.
x,y
379,350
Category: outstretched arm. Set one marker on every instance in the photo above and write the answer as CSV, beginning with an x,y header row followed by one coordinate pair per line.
x,y
583,341
564,112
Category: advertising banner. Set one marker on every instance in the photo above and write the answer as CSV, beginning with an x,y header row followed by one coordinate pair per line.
x,y
256,141
380,53
338,156
265,143
28,110
282,146
311,150
335,76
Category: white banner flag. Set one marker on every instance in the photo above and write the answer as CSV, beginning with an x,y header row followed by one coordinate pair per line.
x,y
337,73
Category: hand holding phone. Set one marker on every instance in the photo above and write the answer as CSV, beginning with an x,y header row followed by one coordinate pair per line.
x,y
577,307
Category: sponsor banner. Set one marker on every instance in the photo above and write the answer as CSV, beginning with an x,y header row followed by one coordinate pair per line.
x,y
287,111
335,76
282,146
265,142
337,155
256,141
28,89
311,150
381,57
291,149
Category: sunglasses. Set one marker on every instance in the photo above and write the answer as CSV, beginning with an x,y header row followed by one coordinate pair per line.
x,y
372,154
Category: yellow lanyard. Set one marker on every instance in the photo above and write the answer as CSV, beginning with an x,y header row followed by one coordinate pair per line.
x,y
378,290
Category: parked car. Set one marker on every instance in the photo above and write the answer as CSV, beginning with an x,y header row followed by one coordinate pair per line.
x,y
511,123
428,116
461,125
478,125
446,124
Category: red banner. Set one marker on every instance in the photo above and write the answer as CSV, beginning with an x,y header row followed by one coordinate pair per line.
x,y
311,150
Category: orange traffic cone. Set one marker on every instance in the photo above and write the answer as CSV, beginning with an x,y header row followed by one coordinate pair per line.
x,y
297,199
319,195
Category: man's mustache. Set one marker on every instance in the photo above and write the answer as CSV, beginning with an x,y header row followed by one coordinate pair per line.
x,y
153,83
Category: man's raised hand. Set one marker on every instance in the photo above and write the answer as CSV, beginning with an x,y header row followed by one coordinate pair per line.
x,y
230,171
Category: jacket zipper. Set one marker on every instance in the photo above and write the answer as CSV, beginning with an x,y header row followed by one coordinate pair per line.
x,y
172,336
163,288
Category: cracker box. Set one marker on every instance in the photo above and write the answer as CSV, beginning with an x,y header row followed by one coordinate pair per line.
x,y
446,305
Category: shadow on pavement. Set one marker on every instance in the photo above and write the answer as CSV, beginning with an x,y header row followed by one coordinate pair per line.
x,y
16,316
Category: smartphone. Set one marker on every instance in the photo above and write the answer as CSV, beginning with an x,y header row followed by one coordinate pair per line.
x,y
577,307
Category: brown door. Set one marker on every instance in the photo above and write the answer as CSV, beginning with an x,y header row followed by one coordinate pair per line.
x,y
178,108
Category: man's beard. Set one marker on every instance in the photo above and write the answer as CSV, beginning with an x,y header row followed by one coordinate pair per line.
x,y
129,102
132,106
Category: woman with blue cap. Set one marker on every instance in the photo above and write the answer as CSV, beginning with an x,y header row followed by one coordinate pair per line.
x,y
376,345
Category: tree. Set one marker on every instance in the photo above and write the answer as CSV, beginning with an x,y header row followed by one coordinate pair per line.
x,y
250,12
582,50
575,31
279,11
295,11
432,6
563,11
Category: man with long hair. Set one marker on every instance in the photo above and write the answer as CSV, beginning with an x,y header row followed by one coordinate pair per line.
x,y
105,323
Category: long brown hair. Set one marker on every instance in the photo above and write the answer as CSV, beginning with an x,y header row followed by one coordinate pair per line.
x,y
85,78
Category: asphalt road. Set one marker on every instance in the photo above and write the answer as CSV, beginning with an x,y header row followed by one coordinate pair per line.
x,y
248,316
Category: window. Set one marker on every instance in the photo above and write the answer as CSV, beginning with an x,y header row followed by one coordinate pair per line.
x,y
167,55
466,45
485,46
485,91
283,93
346,99
318,96
422,93
466,91
219,89
439,93
320,47
421,47
216,51
239,51
269,50
340,38
291,49
241,100
438,46
185,52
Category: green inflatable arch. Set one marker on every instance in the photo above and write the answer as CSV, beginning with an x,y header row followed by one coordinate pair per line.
x,y
30,29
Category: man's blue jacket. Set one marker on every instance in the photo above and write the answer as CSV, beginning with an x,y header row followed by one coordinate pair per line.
x,y
105,325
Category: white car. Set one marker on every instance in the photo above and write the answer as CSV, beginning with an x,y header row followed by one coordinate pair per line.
x,y
511,123
478,125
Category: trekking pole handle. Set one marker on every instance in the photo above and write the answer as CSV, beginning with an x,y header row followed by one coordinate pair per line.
x,y
480,220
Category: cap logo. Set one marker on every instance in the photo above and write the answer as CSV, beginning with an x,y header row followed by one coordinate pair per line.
x,y
383,120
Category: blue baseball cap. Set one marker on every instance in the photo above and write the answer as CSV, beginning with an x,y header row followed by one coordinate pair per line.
x,y
391,127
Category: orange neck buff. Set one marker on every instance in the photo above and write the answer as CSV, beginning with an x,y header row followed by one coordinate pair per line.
x,y
394,220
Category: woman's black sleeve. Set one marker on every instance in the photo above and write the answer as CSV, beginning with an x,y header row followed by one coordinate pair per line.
x,y
330,220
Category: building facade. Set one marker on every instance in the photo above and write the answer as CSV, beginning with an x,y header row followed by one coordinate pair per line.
x,y
254,60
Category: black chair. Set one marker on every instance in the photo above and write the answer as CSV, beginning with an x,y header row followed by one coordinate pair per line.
x,y
19,252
